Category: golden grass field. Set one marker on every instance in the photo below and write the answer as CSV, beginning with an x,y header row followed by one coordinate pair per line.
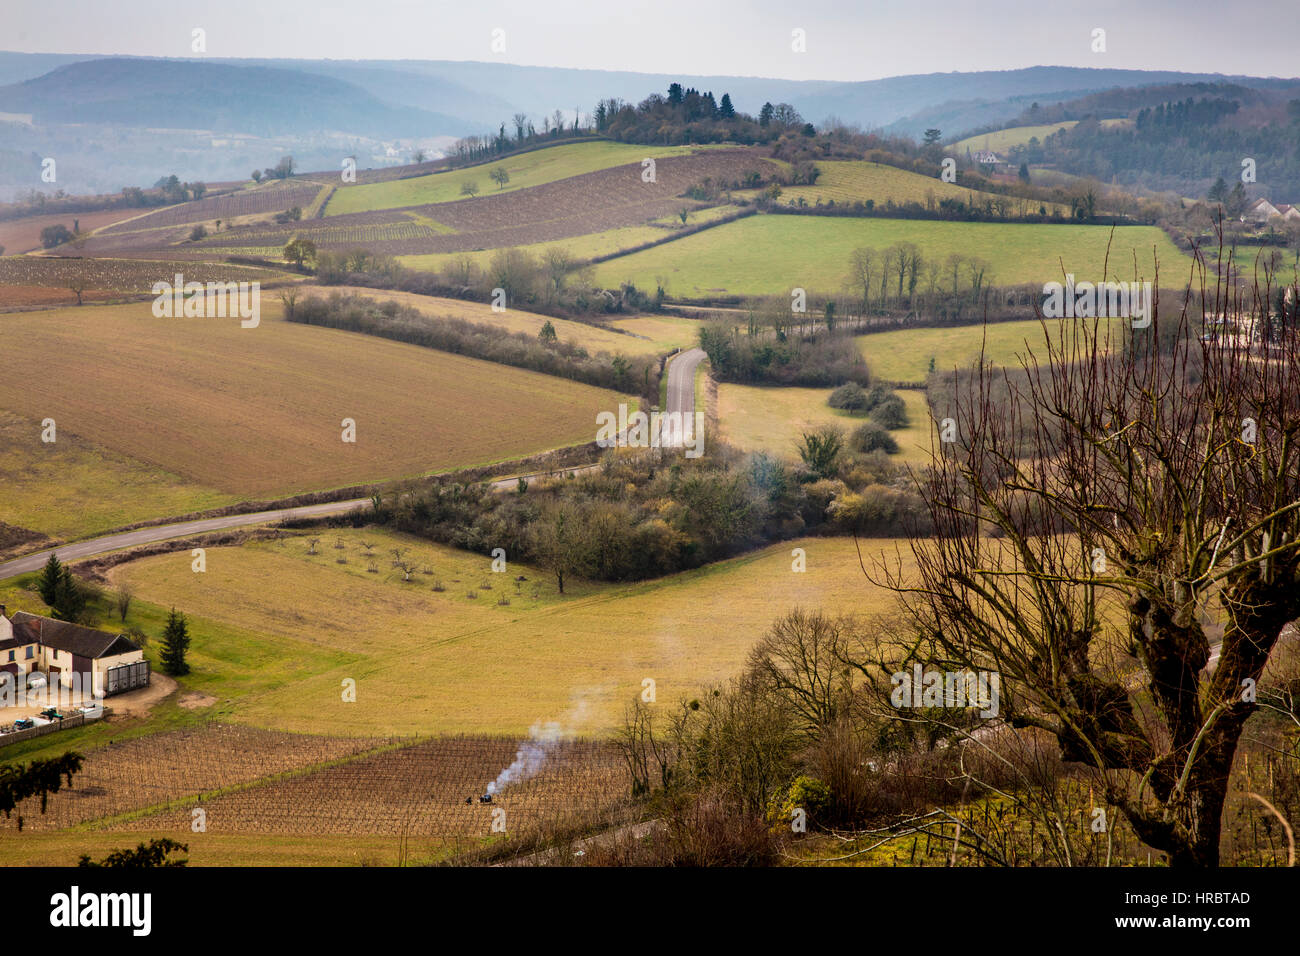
x,y
665,331
276,631
649,339
65,847
73,488
904,355
258,411
758,418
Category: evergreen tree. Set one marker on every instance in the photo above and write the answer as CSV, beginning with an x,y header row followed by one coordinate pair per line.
x,y
176,641
60,591
765,114
1219,191
1237,201
69,598
47,585
725,110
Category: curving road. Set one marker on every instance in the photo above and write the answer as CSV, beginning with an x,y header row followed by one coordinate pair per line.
x,y
681,398
91,547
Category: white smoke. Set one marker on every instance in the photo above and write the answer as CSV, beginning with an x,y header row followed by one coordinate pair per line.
x,y
543,738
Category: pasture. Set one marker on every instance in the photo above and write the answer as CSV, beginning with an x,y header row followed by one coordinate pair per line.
x,y
259,411
1004,139
904,355
74,488
771,254
770,419
848,181
276,631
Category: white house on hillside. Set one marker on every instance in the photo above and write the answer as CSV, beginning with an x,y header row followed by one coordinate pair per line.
x,y
107,663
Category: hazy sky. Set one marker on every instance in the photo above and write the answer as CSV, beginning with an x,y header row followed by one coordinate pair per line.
x,y
845,39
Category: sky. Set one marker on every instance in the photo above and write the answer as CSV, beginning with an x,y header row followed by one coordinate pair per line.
x,y
843,40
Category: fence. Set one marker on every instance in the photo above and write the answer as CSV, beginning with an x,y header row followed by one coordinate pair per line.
x,y
40,730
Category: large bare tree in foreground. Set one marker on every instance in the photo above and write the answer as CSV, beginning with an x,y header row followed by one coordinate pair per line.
x,y
1103,512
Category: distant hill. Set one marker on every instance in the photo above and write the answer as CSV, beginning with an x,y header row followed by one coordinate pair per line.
x,y
480,95
179,94
102,116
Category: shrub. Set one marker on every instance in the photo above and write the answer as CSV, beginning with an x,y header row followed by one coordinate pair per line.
x,y
56,235
890,413
820,450
871,436
849,397
806,793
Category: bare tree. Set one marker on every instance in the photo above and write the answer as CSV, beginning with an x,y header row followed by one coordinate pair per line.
x,y
560,542
1162,482
862,264
124,596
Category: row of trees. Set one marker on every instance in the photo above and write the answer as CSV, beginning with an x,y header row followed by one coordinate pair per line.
x,y
281,170
544,353
901,271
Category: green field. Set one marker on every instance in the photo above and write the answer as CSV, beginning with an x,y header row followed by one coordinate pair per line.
x,y
276,630
904,355
526,169
849,181
770,419
666,331
771,254
1004,139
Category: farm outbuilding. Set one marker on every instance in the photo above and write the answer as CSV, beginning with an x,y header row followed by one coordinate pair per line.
x,y
105,662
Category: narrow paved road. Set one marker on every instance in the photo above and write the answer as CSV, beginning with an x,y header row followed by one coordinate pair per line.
x,y
681,384
681,398
161,532
93,547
